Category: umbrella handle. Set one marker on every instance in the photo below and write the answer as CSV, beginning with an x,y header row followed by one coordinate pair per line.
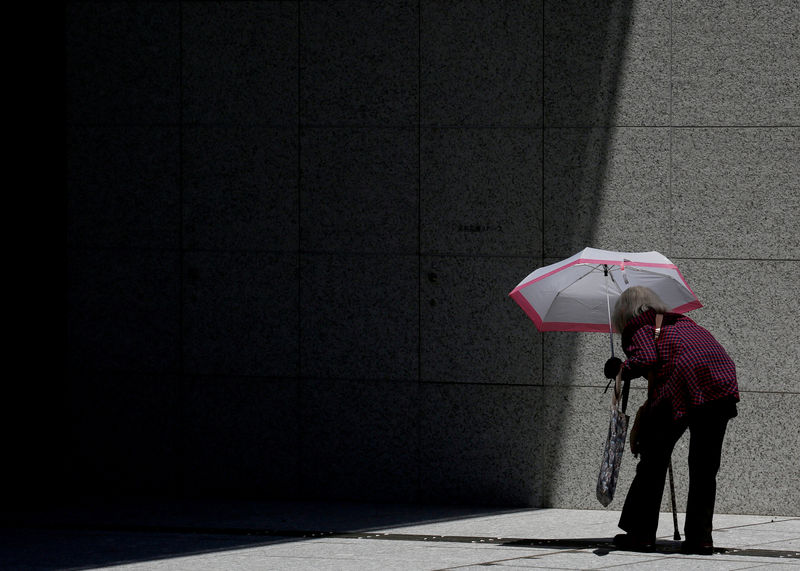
x,y
626,387
608,306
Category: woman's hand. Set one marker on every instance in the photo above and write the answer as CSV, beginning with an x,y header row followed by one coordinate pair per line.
x,y
612,367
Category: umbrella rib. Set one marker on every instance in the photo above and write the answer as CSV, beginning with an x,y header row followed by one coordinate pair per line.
x,y
555,305
613,281
579,278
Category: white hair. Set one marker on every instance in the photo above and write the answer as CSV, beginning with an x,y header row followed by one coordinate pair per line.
x,y
635,301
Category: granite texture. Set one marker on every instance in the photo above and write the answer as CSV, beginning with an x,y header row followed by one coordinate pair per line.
x,y
757,172
594,559
481,444
481,191
577,418
294,226
123,311
740,299
359,440
240,188
359,63
606,188
735,63
359,317
122,62
124,435
123,187
240,314
471,331
574,358
606,63
580,415
751,460
241,437
240,62
759,468
500,522
360,190
481,63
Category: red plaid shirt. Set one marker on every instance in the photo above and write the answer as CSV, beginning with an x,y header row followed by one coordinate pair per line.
x,y
691,367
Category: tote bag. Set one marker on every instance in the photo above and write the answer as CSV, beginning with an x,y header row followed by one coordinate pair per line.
x,y
615,446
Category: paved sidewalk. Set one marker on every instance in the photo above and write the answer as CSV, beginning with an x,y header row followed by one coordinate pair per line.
x,y
297,535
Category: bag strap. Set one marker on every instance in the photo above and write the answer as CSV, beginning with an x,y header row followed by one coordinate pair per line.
x,y
651,376
615,397
657,332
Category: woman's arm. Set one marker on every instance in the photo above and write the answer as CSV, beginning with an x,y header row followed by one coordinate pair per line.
x,y
641,352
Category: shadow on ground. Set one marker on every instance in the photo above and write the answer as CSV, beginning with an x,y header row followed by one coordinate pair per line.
x,y
98,533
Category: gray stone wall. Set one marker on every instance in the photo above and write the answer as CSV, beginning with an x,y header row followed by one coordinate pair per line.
x,y
292,228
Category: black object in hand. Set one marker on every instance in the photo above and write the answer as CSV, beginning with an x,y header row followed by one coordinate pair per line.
x,y
612,367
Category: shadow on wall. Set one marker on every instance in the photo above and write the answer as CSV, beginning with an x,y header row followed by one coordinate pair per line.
x,y
183,366
183,361
487,418
585,50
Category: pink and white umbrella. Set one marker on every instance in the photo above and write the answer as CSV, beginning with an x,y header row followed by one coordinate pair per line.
x,y
577,294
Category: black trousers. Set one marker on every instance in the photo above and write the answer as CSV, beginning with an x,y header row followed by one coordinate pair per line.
x,y
643,502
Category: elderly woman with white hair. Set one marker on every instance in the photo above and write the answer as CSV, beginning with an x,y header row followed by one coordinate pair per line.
x,y
692,384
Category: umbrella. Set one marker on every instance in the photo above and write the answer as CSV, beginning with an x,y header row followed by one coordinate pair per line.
x,y
577,294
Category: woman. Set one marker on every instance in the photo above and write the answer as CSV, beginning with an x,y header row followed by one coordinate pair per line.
x,y
693,386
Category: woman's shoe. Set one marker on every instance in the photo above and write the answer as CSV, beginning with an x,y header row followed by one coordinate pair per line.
x,y
628,542
689,547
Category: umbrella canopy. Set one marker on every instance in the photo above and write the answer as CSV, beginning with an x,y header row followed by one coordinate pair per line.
x,y
578,293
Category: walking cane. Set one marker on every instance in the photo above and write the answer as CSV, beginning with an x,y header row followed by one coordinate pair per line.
x,y
676,536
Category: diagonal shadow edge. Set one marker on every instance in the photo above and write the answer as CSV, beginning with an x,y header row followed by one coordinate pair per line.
x,y
595,140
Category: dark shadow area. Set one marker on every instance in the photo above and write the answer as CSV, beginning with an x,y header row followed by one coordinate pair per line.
x,y
116,422
91,548
584,50
33,408
116,532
